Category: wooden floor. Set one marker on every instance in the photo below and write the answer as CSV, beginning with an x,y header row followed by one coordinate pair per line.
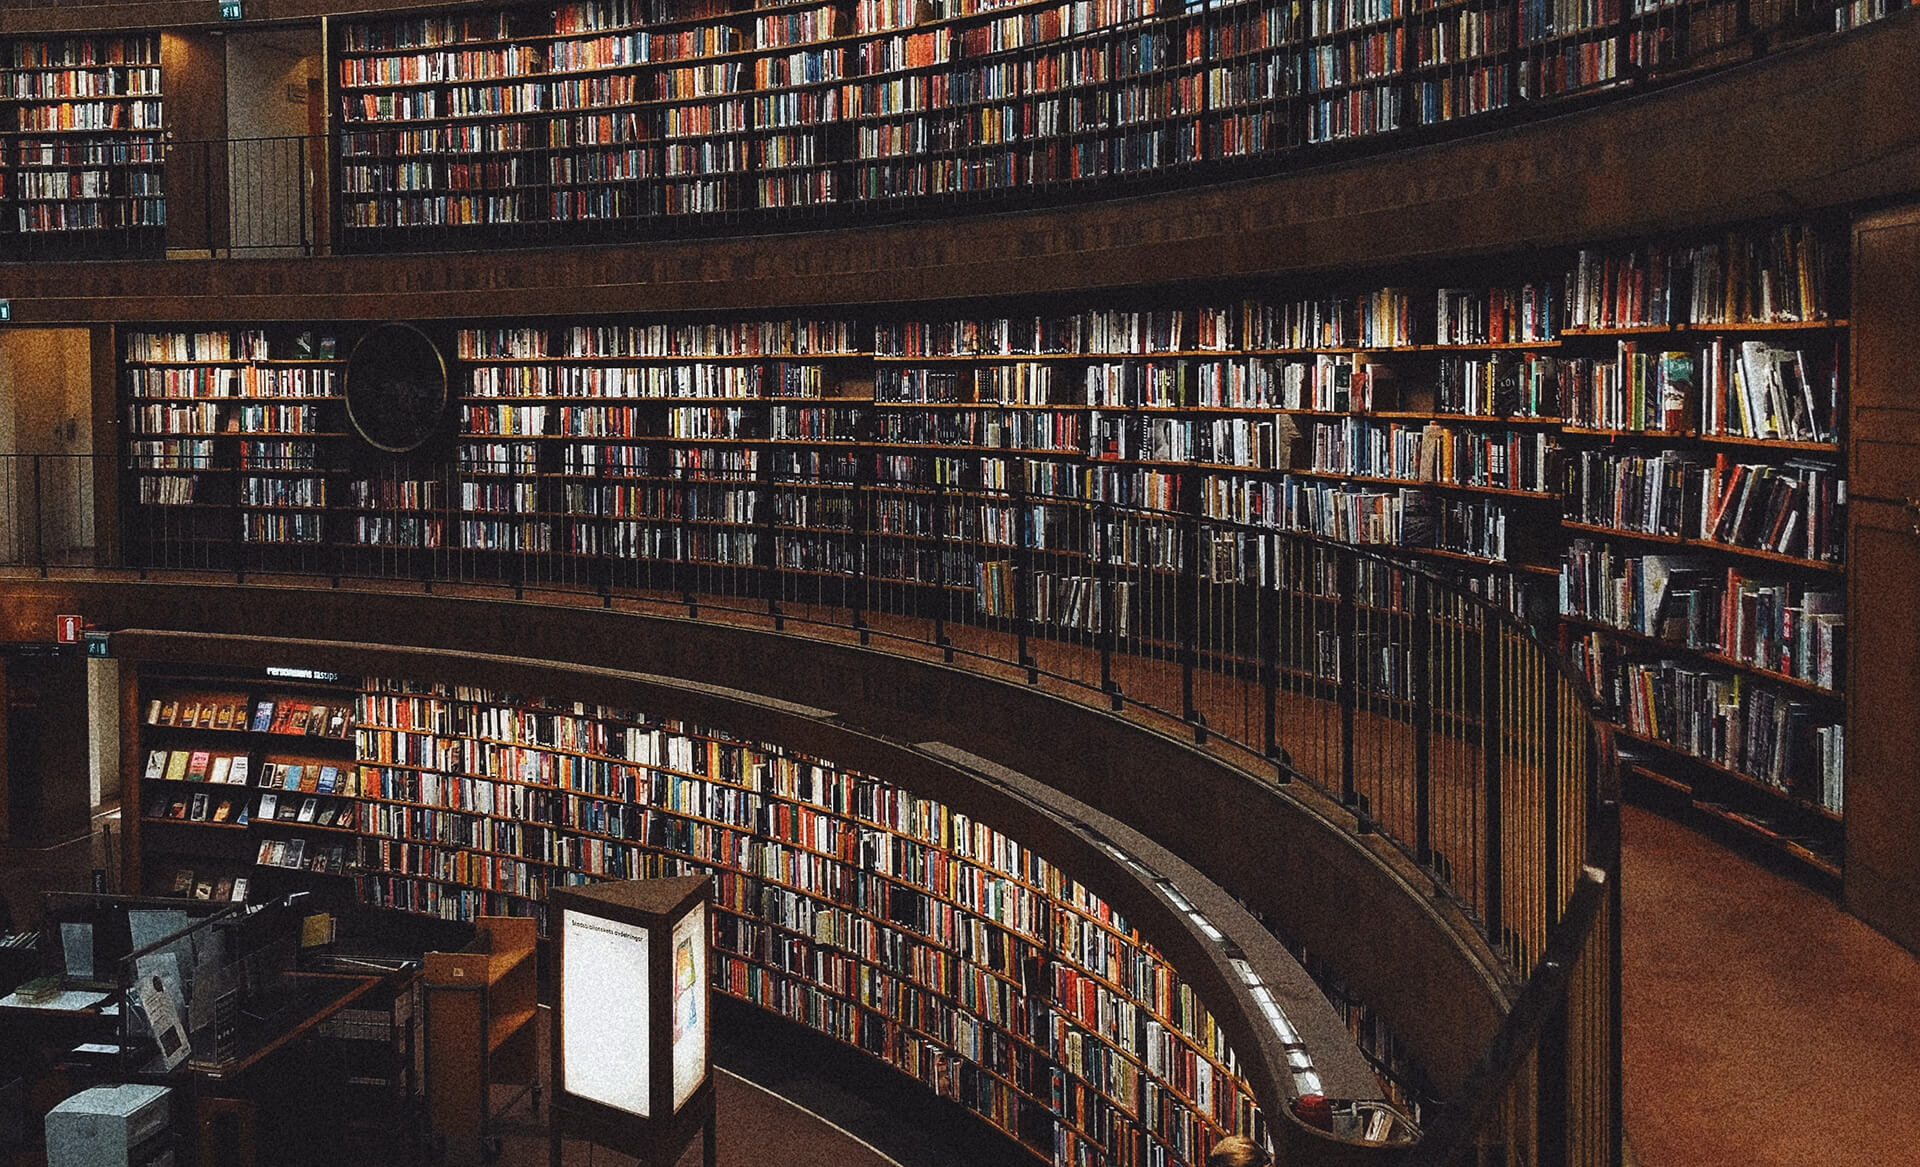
x,y
1763,1025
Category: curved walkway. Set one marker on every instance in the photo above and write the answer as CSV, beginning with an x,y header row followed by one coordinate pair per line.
x,y
1764,1027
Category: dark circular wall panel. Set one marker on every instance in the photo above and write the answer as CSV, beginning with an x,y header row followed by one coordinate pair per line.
x,y
396,388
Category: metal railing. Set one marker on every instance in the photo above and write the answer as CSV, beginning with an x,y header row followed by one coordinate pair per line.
x,y
1440,719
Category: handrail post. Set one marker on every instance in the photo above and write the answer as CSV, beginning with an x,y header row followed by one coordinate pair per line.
x,y
940,598
1267,603
1550,792
1490,745
39,519
1106,586
1420,678
1187,619
1346,668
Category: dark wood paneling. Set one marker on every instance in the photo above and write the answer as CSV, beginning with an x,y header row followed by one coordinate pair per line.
x,y
1285,852
193,69
1883,554
1754,141
107,437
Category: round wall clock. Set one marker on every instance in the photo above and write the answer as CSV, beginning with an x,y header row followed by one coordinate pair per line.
x,y
396,388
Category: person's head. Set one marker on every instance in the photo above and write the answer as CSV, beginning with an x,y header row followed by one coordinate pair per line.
x,y
1237,1151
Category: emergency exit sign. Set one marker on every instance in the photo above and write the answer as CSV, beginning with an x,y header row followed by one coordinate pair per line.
x,y
6,310
232,10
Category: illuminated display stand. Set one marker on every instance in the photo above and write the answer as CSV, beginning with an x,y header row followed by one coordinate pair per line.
x,y
631,1018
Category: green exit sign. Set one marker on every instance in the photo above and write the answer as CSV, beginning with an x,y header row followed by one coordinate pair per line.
x,y
97,644
232,10
6,310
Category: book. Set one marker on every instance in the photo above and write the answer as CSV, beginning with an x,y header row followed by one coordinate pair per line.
x,y
337,724
316,719
262,717
237,774
169,713
270,774
224,811
295,854
269,802
239,893
177,809
183,881
177,765
153,712
223,888
222,766
190,715
197,766
329,777
325,816
223,717
203,889
290,773
289,810
308,809
198,813
156,765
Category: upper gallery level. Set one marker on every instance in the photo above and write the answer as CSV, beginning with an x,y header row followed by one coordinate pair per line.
x,y
863,152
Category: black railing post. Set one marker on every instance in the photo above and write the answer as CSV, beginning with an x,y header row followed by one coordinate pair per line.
x,y
1421,678
940,599
1346,623
1187,620
206,197
39,519
1491,732
1106,584
1550,793
1550,1123
1267,630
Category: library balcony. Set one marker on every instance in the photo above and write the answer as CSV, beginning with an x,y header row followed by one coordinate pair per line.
x,y
1293,685
1290,467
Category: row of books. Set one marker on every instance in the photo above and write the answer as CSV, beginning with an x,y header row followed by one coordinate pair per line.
x,y
1775,625
1728,720
1794,508
301,855
209,886
282,715
338,778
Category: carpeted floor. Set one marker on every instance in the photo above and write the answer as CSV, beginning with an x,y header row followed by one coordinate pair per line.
x,y
1763,1025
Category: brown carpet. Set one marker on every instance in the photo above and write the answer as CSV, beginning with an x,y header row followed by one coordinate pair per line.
x,y
1763,1025
754,1128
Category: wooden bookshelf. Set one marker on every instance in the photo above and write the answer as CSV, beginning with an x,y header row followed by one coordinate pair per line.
x,y
229,774
233,434
1055,475
82,155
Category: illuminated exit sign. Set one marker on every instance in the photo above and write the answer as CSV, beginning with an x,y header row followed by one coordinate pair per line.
x,y
232,10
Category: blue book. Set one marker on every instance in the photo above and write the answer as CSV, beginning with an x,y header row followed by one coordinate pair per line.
x,y
263,717
329,776
290,776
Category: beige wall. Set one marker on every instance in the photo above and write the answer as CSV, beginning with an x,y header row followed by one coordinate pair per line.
x,y
46,408
265,177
